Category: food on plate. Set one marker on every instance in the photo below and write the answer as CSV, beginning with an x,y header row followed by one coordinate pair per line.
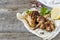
x,y
45,11
49,25
36,20
55,13
31,17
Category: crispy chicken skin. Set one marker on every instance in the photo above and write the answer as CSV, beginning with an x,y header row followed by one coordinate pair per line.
x,y
31,21
45,23
49,26
41,20
35,20
31,18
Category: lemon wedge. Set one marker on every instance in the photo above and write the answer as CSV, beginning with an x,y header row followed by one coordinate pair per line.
x,y
55,13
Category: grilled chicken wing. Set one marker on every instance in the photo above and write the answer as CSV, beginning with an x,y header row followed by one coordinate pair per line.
x,y
35,20
31,18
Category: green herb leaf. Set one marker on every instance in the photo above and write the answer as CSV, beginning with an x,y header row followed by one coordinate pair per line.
x,y
28,12
44,11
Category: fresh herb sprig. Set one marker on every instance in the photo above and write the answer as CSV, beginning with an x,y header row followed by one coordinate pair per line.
x,y
44,11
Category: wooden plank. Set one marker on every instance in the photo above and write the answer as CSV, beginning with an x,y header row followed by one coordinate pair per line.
x,y
10,23
18,36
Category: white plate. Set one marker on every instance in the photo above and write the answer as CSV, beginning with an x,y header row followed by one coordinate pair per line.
x,y
46,35
50,3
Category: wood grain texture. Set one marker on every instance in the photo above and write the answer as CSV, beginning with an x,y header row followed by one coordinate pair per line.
x,y
18,36
10,27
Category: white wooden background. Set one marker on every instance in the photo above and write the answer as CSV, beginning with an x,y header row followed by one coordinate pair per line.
x,y
10,27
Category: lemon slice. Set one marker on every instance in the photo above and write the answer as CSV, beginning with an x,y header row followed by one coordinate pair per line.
x,y
55,13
